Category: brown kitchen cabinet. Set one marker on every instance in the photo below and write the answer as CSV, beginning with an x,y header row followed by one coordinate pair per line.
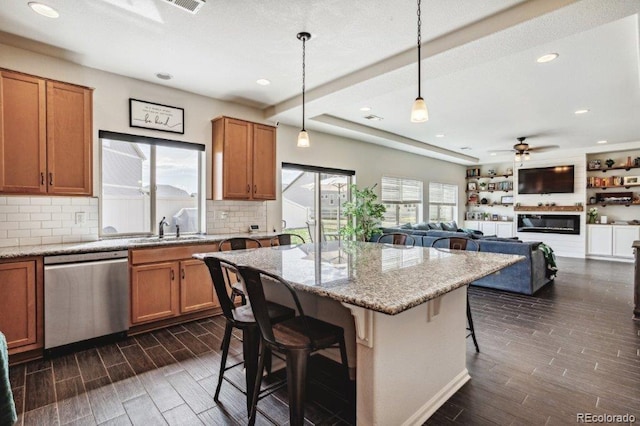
x,y
21,304
168,286
45,136
244,160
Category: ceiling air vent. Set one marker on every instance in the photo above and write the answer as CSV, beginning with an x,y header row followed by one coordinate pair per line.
x,y
373,117
192,6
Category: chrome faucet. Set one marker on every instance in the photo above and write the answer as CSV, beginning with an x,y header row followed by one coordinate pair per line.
x,y
161,226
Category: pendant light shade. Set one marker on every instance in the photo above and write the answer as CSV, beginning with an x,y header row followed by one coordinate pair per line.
x,y
303,139
419,112
303,136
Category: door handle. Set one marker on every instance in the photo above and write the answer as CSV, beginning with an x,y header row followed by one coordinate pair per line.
x,y
172,275
255,188
248,188
50,179
183,273
41,178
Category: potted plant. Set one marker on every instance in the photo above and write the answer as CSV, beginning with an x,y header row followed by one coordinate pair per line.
x,y
364,212
610,162
592,215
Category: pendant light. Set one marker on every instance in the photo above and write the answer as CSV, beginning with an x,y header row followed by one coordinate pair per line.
x,y
303,136
419,113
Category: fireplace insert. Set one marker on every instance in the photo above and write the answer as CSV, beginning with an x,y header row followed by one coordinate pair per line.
x,y
549,223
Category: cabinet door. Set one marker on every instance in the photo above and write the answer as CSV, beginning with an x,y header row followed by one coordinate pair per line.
x,y
236,159
504,230
472,224
154,292
69,134
599,240
488,228
623,238
196,287
22,134
18,297
264,162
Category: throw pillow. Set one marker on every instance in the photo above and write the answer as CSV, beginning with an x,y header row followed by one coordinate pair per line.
x,y
405,226
449,226
434,225
422,226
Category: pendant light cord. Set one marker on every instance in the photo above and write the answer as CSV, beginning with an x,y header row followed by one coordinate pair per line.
x,y
304,39
419,45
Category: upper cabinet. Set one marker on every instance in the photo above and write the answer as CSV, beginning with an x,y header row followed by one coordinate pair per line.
x,y
244,160
45,136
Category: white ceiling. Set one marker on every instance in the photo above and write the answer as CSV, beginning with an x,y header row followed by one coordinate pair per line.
x,y
480,78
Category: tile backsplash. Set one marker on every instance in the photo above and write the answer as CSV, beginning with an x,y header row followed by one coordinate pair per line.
x,y
47,220
228,217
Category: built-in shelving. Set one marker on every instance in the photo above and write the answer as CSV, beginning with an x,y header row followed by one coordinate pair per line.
x,y
548,208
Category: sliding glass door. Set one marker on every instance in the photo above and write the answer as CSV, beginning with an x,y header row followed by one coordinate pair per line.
x,y
313,199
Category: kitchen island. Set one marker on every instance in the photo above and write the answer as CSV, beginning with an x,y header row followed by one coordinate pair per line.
x,y
408,306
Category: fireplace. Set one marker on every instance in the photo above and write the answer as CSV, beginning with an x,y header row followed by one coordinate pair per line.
x,y
549,223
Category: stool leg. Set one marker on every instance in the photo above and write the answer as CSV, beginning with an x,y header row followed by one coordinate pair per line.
x,y
256,388
296,383
471,329
228,328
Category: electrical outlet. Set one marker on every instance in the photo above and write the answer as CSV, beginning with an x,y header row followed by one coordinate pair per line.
x,y
81,218
222,214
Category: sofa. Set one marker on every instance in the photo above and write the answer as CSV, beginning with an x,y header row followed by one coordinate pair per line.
x,y
525,277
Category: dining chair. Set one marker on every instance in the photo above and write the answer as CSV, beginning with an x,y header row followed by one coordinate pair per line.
x,y
286,239
397,238
297,338
237,243
241,318
461,243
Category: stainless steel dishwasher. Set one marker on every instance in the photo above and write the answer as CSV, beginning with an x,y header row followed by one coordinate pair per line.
x,y
85,296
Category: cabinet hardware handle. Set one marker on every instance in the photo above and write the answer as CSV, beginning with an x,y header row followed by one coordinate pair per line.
x,y
172,275
50,179
183,273
248,188
255,188
41,178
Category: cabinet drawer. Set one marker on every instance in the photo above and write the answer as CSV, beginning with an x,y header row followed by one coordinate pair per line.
x,y
164,254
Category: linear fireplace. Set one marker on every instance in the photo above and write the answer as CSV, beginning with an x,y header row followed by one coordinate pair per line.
x,y
549,223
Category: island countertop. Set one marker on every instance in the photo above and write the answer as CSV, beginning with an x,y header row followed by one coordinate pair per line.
x,y
384,278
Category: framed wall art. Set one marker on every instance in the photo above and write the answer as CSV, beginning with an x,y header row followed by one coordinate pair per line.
x,y
149,115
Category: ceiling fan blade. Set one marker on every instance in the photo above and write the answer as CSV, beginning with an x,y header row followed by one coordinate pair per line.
x,y
543,148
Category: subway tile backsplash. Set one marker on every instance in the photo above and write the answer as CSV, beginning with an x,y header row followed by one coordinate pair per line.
x,y
229,217
46,220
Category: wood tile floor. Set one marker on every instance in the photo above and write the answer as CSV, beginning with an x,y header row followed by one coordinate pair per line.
x,y
570,348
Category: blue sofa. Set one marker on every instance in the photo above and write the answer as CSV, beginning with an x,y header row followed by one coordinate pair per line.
x,y
525,277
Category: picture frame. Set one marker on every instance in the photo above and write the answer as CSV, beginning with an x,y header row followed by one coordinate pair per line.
x,y
491,186
153,116
506,199
472,186
595,164
631,180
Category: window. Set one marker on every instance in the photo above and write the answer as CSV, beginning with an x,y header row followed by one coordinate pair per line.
x,y
145,179
443,202
403,200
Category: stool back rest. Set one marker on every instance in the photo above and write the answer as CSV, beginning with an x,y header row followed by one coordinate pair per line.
x,y
456,243
253,283
397,238
238,243
285,240
216,267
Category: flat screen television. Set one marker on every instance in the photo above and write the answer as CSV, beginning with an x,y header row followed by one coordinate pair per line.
x,y
546,180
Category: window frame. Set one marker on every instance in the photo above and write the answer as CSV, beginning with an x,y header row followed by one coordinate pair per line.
x,y
153,143
398,203
455,204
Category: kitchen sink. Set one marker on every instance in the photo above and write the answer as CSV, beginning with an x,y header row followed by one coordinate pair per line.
x,y
157,239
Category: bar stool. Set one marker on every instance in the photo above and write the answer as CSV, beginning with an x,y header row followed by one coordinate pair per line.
x,y
397,238
241,317
461,243
297,338
237,243
286,239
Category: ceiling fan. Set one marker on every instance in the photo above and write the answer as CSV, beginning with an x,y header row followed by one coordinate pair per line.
x,y
522,149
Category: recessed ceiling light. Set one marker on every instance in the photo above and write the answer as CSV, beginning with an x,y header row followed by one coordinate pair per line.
x,y
465,148
440,135
602,142
547,58
493,153
581,111
263,82
365,108
44,10
164,76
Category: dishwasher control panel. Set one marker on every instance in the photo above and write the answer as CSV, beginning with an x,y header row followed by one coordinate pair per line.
x,y
85,257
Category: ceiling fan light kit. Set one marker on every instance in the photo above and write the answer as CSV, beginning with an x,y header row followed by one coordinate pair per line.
x,y
419,112
303,136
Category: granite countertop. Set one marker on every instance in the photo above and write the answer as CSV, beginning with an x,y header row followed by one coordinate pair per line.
x,y
380,277
111,244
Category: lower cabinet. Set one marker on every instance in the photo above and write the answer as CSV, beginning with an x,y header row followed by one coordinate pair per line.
x,y
612,240
21,304
167,283
500,229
